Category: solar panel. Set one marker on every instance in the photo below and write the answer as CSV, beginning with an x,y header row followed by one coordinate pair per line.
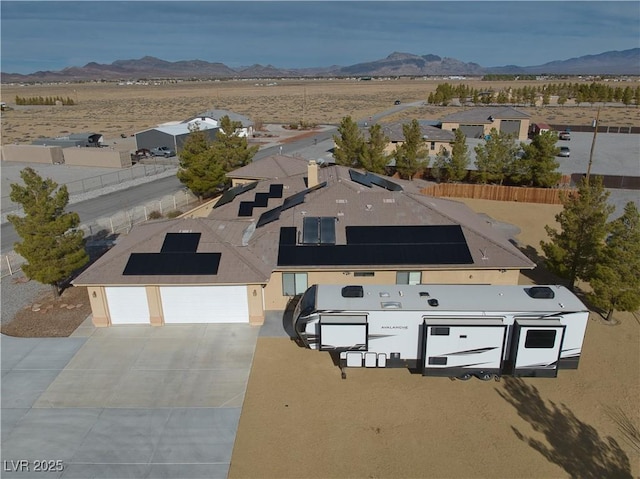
x,y
275,191
311,230
261,200
419,234
327,230
231,193
180,242
384,183
288,235
246,208
268,216
360,178
172,264
293,200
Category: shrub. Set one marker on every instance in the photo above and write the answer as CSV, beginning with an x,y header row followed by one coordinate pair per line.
x,y
155,215
174,214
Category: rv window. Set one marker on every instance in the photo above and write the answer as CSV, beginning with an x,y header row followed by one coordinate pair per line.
x,y
363,274
439,331
540,339
408,277
438,361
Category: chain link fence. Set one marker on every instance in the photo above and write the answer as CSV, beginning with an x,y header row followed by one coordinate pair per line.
x,y
119,223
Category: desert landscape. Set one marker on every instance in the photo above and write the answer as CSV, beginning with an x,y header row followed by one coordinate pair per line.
x,y
299,418
123,109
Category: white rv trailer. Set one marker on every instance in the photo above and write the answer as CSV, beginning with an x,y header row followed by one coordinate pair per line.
x,y
446,330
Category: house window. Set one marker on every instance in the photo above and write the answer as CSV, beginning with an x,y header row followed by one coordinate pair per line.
x,y
408,277
364,274
294,283
433,145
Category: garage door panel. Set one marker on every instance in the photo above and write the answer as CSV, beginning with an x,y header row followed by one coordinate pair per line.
x,y
128,305
204,304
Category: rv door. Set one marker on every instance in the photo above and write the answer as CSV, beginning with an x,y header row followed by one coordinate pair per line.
x,y
537,346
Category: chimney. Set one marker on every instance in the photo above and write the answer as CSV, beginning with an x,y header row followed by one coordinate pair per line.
x,y
312,174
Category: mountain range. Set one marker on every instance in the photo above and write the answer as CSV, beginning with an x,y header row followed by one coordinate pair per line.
x,y
626,62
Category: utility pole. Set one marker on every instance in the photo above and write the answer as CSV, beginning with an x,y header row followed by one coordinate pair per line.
x,y
593,143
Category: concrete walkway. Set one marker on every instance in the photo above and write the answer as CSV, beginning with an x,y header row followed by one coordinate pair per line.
x,y
131,401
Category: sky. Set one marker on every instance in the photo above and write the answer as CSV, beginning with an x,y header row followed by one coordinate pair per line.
x,y
52,35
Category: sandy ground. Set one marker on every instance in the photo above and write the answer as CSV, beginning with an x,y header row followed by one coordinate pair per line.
x,y
300,419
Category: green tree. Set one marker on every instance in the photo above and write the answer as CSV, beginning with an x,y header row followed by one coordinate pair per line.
x,y
452,166
374,158
51,243
231,149
412,154
538,166
349,144
573,252
201,169
616,278
495,157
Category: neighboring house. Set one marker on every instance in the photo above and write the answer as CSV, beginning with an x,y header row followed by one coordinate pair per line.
x,y
434,137
172,136
75,139
478,122
214,116
265,242
271,167
537,128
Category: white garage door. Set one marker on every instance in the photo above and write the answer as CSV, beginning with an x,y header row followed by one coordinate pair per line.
x,y
128,305
205,304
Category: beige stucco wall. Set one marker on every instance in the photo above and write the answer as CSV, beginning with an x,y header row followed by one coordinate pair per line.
x,y
391,147
100,157
274,300
32,154
522,134
255,301
99,309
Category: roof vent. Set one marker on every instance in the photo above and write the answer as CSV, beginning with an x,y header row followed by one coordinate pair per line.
x,y
433,302
423,294
540,292
352,292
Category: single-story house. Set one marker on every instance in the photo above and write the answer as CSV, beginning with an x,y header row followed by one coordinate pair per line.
x,y
434,137
478,122
172,136
266,241
538,128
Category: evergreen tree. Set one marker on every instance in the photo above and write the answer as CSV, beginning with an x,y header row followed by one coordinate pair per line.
x,y
495,157
573,252
538,165
616,279
452,166
349,144
201,170
412,154
231,149
51,243
374,158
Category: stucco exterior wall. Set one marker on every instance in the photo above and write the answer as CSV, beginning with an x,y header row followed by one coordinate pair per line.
x,y
275,300
32,154
100,311
100,157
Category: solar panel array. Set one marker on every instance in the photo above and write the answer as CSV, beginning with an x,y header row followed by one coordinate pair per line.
x,y
319,230
231,193
367,179
381,246
260,200
177,256
289,202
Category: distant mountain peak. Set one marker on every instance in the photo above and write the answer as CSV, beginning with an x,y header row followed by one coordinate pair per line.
x,y
626,62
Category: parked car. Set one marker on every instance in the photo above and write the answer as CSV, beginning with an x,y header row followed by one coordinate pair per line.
x,y
163,151
564,135
564,152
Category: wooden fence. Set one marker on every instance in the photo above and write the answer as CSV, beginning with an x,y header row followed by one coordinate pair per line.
x,y
496,192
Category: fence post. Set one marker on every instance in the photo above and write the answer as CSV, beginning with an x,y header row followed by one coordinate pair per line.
x,y
111,223
146,217
175,205
9,265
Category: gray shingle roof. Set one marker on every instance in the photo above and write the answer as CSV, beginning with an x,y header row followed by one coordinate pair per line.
x,y
481,115
249,254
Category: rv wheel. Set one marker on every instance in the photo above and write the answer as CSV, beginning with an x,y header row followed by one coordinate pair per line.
x,y
485,376
464,377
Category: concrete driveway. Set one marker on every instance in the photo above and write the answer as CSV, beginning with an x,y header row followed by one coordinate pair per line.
x,y
131,401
